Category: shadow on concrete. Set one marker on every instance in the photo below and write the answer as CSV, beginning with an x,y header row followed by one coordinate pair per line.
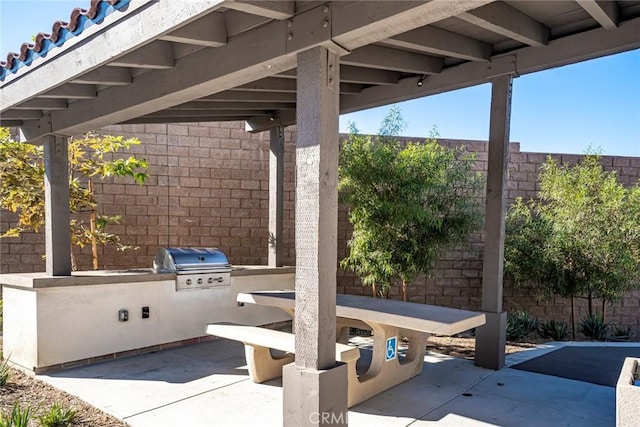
x,y
596,365
178,365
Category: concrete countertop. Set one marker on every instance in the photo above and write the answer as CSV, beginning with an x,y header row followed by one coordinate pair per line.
x,y
105,277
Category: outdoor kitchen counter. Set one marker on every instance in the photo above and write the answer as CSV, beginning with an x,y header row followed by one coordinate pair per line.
x,y
54,322
107,277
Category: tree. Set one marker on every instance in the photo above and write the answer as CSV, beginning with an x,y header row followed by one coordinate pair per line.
x,y
90,157
580,238
407,204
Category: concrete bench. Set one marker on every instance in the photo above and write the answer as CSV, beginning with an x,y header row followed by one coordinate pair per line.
x,y
262,365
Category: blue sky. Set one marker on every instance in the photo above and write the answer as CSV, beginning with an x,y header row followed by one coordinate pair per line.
x,y
565,109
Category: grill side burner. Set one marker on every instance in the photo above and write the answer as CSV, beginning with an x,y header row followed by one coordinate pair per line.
x,y
195,268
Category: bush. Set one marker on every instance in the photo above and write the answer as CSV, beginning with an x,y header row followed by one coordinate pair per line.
x,y
18,417
520,324
593,326
4,372
408,203
557,331
621,333
57,416
579,237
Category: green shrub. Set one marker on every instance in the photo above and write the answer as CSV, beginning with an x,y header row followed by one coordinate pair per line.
x,y
18,417
408,203
557,331
520,324
592,326
4,372
621,333
57,416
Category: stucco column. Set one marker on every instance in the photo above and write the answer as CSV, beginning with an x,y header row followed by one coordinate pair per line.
x,y
490,338
276,195
56,205
315,389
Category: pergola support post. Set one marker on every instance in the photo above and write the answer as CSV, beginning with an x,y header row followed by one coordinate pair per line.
x,y
491,337
56,206
276,195
315,387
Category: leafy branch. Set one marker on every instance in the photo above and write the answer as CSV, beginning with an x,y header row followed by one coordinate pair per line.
x,y
91,157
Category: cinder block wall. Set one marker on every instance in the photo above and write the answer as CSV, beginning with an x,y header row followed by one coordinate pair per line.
x,y
209,187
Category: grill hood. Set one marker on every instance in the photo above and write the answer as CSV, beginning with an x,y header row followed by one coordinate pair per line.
x,y
190,260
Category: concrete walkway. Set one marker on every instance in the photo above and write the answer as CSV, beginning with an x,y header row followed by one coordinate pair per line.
x,y
207,385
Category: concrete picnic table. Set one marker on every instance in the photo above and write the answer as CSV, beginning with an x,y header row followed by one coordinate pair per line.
x,y
389,320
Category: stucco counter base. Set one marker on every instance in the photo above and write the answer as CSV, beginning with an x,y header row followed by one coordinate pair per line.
x,y
59,322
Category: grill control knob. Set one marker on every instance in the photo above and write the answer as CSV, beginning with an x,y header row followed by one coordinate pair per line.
x,y
188,281
200,281
210,280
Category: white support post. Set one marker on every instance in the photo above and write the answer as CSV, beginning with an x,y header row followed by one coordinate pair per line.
x,y
490,338
56,206
276,196
315,388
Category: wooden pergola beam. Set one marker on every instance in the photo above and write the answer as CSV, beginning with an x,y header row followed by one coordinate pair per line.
x,y
567,50
71,91
209,31
111,76
277,9
42,104
258,53
510,22
436,41
156,56
606,13
385,58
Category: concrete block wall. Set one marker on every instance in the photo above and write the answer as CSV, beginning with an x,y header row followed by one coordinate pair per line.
x,y
20,255
208,186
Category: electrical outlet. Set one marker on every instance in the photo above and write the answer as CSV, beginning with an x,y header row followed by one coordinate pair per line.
x,y
123,315
145,312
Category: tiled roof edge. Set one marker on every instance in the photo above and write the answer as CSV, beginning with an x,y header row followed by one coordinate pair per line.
x,y
79,20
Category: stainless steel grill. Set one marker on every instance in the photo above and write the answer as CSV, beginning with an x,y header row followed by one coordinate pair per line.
x,y
195,268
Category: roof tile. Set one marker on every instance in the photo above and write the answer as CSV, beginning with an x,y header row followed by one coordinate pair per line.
x,y
79,20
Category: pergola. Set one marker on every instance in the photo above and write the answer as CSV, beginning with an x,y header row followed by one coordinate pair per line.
x,y
279,63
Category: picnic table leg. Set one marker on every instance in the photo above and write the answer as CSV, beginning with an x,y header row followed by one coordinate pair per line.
x,y
417,347
344,324
262,365
385,372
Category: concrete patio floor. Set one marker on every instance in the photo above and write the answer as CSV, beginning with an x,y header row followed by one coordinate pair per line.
x,y
208,385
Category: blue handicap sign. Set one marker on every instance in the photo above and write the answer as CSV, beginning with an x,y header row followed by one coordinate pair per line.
x,y
391,349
